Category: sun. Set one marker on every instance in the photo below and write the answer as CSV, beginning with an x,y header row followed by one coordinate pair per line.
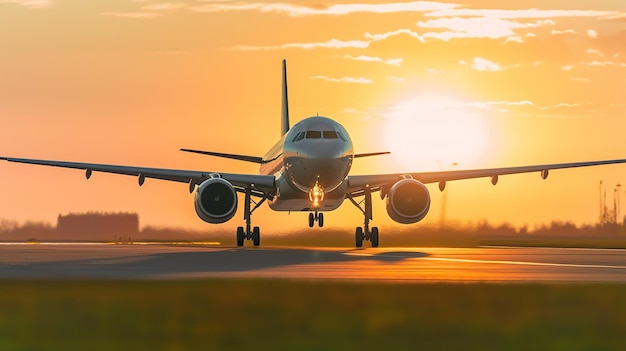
x,y
435,132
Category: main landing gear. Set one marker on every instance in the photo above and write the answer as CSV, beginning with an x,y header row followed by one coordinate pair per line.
x,y
317,217
364,233
249,233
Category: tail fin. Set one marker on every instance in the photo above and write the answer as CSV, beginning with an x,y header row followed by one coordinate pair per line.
x,y
284,128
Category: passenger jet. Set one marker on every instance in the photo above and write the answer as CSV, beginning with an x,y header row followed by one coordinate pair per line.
x,y
308,169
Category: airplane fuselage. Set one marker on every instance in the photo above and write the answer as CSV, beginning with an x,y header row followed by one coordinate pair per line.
x,y
310,164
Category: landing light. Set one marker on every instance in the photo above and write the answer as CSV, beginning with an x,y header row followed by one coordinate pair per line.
x,y
316,195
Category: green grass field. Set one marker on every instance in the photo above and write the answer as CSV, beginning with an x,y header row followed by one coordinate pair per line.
x,y
305,315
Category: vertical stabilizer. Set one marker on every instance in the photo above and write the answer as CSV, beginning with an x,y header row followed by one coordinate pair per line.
x,y
284,128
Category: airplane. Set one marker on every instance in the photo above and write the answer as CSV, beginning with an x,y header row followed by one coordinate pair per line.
x,y
308,170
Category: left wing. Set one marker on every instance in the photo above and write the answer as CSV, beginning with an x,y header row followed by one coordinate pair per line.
x,y
261,183
375,182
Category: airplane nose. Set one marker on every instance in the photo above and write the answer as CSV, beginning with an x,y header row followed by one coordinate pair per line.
x,y
325,151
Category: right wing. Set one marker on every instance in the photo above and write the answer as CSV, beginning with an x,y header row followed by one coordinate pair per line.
x,y
262,184
376,182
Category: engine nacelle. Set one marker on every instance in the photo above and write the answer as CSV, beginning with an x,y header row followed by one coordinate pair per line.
x,y
216,200
408,201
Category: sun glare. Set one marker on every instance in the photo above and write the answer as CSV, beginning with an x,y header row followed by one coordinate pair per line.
x,y
435,132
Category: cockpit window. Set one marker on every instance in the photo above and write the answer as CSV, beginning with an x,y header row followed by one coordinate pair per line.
x,y
313,134
298,137
318,134
329,134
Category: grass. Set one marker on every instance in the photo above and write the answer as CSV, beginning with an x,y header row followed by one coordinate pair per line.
x,y
304,315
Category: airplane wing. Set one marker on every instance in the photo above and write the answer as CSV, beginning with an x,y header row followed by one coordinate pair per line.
x,y
260,183
376,182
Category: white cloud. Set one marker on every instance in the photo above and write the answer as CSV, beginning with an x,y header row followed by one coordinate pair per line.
x,y
595,52
383,36
132,14
514,39
561,32
33,4
481,64
503,106
596,63
358,80
592,33
476,27
494,23
333,43
490,105
330,44
324,9
395,61
518,14
167,6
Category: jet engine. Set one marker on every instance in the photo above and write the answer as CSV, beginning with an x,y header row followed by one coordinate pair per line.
x,y
408,201
216,200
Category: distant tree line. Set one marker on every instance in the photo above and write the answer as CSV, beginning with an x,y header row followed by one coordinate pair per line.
x,y
124,228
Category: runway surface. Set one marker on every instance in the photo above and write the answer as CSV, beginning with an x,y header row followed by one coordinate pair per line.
x,y
107,261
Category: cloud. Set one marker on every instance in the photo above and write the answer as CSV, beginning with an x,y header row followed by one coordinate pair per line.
x,y
358,80
132,14
494,23
394,61
330,44
167,6
483,65
561,32
476,27
325,9
519,14
508,106
595,52
384,36
33,4
596,63
592,33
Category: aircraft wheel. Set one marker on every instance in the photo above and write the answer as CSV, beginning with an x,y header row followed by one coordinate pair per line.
x,y
320,220
311,220
256,236
359,237
240,236
374,237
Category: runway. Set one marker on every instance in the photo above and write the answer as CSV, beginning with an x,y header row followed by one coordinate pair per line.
x,y
484,264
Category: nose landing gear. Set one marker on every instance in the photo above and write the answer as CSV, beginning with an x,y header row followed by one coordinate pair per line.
x,y
317,217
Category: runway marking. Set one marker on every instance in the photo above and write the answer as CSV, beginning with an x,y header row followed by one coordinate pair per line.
x,y
553,248
521,263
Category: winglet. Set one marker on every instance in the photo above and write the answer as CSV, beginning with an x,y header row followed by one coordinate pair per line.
x,y
284,128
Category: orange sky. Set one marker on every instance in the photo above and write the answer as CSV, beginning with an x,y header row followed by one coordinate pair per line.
x,y
480,85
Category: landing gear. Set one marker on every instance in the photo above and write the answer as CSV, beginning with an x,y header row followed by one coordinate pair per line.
x,y
317,217
364,233
249,233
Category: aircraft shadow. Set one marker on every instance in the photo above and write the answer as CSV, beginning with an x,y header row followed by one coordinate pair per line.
x,y
181,263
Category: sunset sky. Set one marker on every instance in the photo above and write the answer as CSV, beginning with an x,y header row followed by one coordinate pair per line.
x,y
442,85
